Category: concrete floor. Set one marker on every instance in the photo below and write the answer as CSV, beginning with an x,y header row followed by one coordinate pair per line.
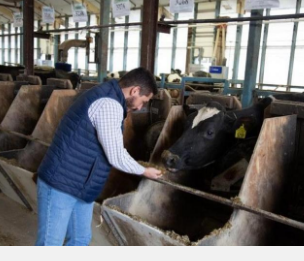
x,y
18,226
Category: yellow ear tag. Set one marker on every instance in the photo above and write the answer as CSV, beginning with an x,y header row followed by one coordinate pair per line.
x,y
240,133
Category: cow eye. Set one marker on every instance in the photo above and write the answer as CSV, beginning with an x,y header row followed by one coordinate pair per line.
x,y
210,132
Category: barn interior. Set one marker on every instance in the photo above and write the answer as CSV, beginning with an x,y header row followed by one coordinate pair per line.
x,y
229,52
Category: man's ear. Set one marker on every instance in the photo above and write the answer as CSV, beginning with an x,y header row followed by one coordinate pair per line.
x,y
135,90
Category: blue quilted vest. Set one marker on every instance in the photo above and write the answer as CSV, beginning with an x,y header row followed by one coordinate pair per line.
x,y
75,163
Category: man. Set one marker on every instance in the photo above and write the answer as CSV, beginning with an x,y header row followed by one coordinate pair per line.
x,y
86,144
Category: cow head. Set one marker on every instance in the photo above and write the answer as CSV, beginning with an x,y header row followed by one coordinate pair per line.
x,y
208,134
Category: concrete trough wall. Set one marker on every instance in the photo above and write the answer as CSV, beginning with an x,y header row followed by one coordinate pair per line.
x,y
159,215
20,165
6,97
23,114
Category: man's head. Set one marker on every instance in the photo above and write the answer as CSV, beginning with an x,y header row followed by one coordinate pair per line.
x,y
138,87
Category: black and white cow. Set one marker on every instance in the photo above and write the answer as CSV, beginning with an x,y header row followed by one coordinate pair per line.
x,y
174,77
209,133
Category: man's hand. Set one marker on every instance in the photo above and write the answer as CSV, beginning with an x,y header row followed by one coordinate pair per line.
x,y
152,173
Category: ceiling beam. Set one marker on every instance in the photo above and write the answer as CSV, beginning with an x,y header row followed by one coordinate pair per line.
x,y
7,13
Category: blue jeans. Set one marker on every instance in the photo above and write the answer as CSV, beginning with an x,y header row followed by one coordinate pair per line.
x,y
62,218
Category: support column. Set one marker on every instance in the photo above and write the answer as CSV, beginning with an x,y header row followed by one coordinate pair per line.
x,y
3,44
76,50
264,49
28,39
125,54
103,40
149,34
39,45
194,34
87,73
293,46
237,51
16,45
140,35
112,40
174,40
255,31
56,45
9,43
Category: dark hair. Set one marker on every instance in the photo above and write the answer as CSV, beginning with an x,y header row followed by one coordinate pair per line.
x,y
140,77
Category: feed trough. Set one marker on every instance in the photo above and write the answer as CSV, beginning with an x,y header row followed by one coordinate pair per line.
x,y
156,214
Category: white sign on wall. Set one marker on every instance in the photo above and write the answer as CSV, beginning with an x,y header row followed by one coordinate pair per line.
x,y
80,13
48,15
18,19
181,6
228,7
120,8
261,4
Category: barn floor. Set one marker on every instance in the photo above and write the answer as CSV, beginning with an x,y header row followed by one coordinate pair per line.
x,y
18,226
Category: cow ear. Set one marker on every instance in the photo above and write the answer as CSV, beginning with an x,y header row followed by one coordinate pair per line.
x,y
188,110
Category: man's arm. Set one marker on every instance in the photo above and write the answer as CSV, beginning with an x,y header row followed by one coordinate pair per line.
x,y
106,116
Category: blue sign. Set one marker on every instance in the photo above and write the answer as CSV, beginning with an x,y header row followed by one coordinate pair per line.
x,y
215,69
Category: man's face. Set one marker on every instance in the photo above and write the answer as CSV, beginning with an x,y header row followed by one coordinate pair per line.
x,y
136,101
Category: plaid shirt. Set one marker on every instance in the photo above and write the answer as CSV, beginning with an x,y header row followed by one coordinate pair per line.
x,y
106,116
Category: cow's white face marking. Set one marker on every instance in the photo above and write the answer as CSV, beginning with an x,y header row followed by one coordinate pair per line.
x,y
203,114
173,77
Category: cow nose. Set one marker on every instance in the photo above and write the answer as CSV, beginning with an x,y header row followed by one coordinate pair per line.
x,y
169,159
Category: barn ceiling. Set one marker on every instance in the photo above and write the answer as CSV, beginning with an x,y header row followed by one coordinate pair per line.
x,y
63,7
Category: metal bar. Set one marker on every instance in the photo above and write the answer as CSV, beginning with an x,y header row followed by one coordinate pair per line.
x,y
149,34
16,45
9,43
264,49
103,40
56,44
39,43
280,85
76,50
21,46
234,204
125,53
253,48
156,53
188,51
27,137
15,188
88,54
293,45
105,26
140,35
194,21
174,41
237,51
28,41
11,6
113,229
112,39
194,33
236,19
3,44
66,23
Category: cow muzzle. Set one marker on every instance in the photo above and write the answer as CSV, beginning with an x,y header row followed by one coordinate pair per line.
x,y
170,160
